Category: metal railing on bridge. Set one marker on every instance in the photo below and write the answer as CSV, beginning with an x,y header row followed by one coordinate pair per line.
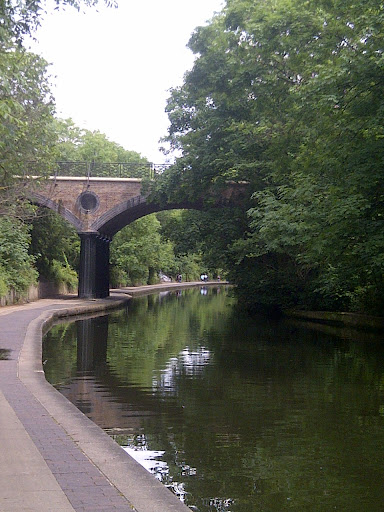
x,y
104,169
110,169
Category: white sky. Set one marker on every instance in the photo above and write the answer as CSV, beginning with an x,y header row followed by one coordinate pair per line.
x,y
112,70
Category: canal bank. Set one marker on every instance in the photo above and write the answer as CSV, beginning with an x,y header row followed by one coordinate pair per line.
x,y
52,457
352,320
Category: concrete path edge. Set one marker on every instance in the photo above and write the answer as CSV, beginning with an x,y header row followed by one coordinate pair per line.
x,y
142,490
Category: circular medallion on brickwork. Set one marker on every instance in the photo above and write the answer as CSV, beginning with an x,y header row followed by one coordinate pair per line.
x,y
88,201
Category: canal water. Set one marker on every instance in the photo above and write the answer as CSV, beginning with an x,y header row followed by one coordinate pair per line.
x,y
233,414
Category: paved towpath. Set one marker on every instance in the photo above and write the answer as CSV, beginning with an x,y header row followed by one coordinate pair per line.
x,y
53,458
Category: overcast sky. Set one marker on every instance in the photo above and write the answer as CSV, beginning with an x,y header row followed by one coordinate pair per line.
x,y
111,70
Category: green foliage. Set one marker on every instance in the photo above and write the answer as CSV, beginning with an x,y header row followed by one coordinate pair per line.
x,y
55,246
64,274
26,110
168,242
75,144
138,253
202,237
189,266
20,18
182,228
27,139
288,95
26,104
3,282
16,265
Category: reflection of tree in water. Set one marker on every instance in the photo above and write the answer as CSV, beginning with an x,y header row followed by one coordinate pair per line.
x,y
249,415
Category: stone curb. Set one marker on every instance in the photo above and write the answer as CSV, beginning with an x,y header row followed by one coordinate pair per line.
x,y
142,490
165,287
354,320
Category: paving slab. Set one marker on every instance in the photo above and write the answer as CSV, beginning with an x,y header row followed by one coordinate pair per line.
x,y
26,482
52,457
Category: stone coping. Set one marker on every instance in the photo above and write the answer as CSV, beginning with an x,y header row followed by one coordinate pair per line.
x,y
339,318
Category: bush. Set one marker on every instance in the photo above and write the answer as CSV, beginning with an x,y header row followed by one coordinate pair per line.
x,y
63,274
3,282
16,265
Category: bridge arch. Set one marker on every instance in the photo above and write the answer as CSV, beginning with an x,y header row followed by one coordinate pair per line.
x,y
95,243
127,212
46,202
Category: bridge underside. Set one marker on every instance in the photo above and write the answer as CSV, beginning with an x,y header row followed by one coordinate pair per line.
x,y
126,213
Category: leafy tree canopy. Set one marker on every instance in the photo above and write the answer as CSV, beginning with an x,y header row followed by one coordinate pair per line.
x,y
104,157
138,253
205,233
78,144
26,109
22,17
26,135
288,95
26,103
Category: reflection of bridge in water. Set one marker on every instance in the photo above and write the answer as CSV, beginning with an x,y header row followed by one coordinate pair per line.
x,y
98,392
100,200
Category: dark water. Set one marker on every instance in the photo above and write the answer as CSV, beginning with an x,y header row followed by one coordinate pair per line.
x,y
235,415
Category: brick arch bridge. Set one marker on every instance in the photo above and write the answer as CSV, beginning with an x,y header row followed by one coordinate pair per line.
x,y
98,208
